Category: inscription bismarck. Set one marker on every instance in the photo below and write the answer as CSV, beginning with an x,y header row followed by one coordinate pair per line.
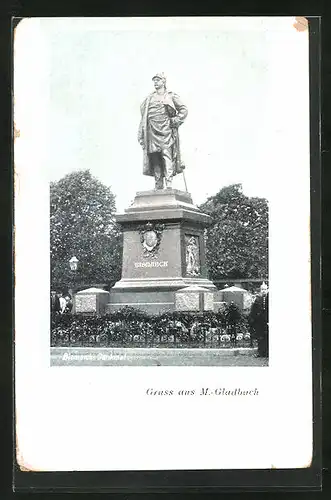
x,y
151,264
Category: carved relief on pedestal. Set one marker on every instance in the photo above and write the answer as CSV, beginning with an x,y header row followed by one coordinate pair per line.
x,y
150,238
192,253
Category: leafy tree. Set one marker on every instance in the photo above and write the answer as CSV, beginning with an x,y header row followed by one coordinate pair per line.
x,y
82,224
237,240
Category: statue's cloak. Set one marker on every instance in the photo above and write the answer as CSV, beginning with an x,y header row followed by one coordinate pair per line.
x,y
175,109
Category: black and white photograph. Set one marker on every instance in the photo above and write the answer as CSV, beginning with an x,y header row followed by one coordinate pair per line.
x,y
162,224
158,196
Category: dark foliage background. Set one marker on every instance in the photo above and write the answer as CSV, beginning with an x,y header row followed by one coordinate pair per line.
x,y
82,224
237,240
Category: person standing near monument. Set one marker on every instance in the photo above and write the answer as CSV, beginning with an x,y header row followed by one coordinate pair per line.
x,y
259,320
55,302
162,112
63,303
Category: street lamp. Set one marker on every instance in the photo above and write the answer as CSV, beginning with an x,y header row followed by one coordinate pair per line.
x,y
73,263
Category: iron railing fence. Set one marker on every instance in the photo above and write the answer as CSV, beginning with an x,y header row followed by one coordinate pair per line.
x,y
131,333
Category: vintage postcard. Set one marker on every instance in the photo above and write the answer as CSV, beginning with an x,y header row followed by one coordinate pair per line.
x,y
162,222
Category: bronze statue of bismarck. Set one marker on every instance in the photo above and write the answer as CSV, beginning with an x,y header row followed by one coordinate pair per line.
x,y
162,112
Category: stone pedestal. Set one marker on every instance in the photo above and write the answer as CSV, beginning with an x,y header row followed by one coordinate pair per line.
x,y
219,303
194,298
163,251
91,301
239,296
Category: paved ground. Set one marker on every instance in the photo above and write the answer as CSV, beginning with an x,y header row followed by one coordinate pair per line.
x,y
105,356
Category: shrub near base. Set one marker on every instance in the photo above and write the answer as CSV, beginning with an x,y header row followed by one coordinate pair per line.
x,y
133,328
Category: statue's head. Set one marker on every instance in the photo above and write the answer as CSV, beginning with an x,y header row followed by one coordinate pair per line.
x,y
159,80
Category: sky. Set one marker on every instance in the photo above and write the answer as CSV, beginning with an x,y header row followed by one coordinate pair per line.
x,y
99,74
89,77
